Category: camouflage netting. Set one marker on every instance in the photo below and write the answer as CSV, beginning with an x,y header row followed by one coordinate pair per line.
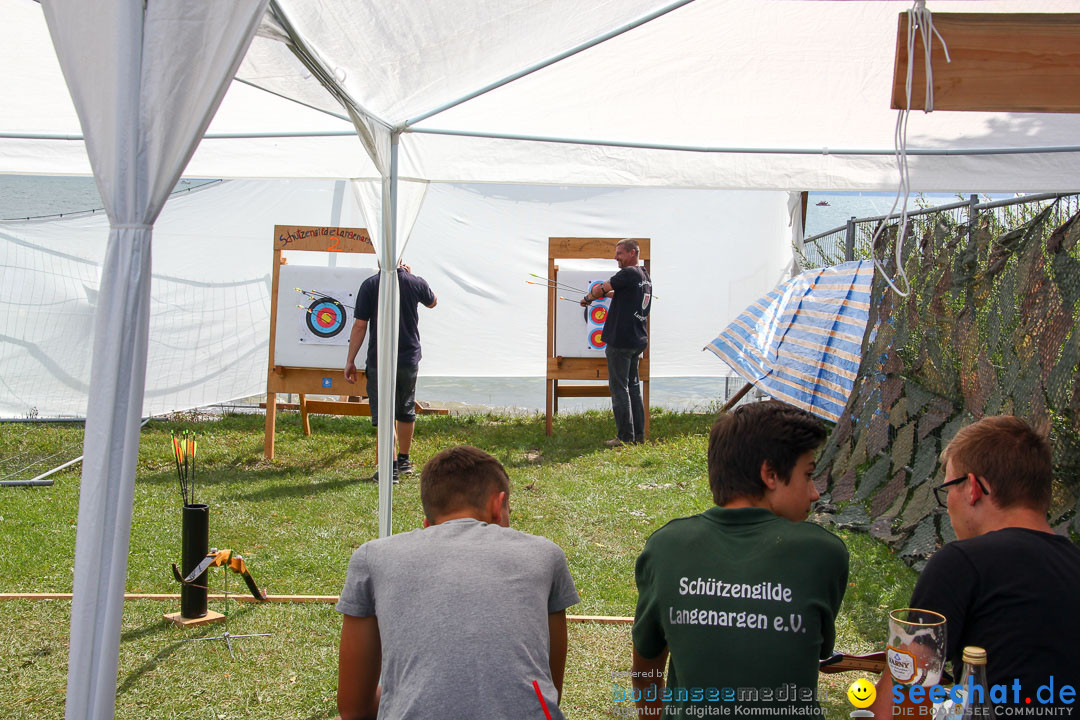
x,y
989,328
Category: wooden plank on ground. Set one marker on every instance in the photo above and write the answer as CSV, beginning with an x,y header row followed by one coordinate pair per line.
x,y
269,598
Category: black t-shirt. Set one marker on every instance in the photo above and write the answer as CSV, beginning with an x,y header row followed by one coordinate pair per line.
x,y
413,291
1015,592
625,324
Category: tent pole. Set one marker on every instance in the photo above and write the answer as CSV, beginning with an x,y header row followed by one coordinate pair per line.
x,y
550,61
931,152
389,310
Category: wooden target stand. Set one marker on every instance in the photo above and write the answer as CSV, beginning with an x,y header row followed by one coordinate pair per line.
x,y
306,381
587,368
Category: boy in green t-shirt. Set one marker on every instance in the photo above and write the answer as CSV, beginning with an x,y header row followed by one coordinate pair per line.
x,y
743,597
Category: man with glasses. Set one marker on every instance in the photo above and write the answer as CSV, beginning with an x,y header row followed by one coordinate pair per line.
x,y
1007,581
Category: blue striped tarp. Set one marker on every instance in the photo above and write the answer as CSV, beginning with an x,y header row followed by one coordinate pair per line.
x,y
802,342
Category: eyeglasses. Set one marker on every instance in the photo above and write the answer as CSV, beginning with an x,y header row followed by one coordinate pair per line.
x,y
941,492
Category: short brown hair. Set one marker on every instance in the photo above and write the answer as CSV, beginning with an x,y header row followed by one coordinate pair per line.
x,y
630,243
1011,455
740,441
459,478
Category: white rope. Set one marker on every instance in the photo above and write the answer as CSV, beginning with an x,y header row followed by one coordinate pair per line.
x,y
919,19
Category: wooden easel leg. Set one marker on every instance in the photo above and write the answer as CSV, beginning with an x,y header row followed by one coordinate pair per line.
x,y
304,414
268,432
549,392
645,399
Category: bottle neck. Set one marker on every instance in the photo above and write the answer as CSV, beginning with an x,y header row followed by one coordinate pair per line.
x,y
974,673
975,689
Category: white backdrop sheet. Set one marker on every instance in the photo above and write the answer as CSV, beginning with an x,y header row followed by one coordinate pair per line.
x,y
713,253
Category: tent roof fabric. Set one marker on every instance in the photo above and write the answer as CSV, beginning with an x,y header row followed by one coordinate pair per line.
x,y
765,95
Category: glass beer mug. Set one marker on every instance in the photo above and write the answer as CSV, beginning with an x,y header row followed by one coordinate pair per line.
x,y
916,650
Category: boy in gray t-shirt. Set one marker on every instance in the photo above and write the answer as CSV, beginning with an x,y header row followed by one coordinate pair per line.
x,y
460,618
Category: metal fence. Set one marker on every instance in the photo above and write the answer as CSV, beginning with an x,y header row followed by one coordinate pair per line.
x,y
854,240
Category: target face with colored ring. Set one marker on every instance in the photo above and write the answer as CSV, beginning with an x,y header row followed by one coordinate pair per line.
x,y
598,314
326,317
595,340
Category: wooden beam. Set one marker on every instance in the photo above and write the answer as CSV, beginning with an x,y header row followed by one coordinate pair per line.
x,y
568,368
551,400
737,397
351,408
1001,62
603,619
312,381
584,391
176,596
322,239
609,619
575,248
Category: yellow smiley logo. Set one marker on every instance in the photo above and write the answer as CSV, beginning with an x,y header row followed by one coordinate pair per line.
x,y
861,693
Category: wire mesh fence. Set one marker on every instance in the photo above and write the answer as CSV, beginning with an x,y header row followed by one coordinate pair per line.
x,y
988,327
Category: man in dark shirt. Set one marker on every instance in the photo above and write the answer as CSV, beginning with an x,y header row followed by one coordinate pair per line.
x,y
1007,582
414,291
625,337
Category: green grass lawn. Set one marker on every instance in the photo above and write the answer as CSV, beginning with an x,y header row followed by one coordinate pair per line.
x,y
296,520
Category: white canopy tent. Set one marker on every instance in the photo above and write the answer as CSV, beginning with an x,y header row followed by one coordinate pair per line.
x,y
781,94
786,95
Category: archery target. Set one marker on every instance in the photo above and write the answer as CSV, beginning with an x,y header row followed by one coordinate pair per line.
x,y
323,314
313,325
325,318
577,329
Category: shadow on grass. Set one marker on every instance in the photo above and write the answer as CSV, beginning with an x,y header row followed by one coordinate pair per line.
x,y
213,474
518,441
153,628
148,666
302,489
